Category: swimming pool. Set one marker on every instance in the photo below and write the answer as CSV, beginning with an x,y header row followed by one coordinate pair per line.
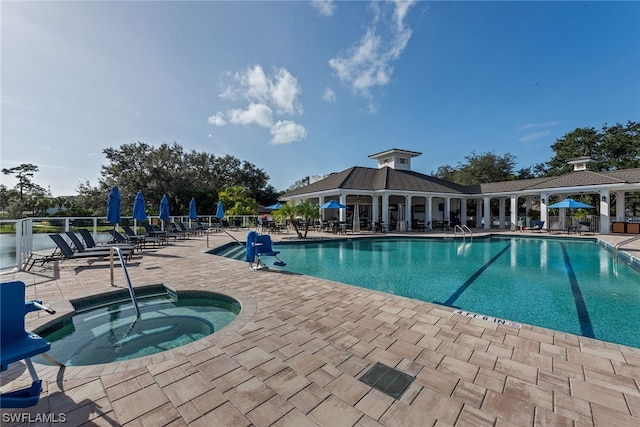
x,y
567,285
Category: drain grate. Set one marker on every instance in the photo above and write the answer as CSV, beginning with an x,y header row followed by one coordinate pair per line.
x,y
388,380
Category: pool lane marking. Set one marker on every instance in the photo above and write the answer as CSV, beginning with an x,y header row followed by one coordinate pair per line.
x,y
583,314
473,278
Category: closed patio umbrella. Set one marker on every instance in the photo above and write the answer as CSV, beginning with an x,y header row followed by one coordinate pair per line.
x,y
164,209
220,210
139,210
193,214
113,206
275,206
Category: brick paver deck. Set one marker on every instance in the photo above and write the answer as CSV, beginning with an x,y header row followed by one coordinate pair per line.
x,y
294,355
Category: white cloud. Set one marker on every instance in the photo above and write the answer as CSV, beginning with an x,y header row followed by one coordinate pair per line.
x,y
286,132
541,125
217,119
324,7
268,96
258,114
533,136
329,95
366,64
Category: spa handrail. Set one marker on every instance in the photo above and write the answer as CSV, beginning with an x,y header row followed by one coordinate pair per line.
x,y
126,274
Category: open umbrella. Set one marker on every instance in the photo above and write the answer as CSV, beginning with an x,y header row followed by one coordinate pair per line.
x,y
164,208
113,206
220,210
139,210
275,206
332,204
571,204
193,214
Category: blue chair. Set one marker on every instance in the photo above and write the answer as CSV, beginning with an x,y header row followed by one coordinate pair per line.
x,y
17,344
259,245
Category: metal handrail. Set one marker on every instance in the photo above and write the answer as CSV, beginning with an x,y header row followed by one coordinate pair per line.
x,y
463,229
126,274
618,245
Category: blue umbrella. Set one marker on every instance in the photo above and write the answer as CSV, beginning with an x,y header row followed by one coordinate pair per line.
x,y
193,214
164,208
139,211
571,204
220,211
113,206
274,206
332,204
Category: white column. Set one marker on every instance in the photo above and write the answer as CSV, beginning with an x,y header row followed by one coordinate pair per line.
x,y
408,214
620,204
322,211
479,213
544,200
514,211
502,212
429,212
343,212
447,209
527,205
463,212
487,213
375,209
385,209
605,218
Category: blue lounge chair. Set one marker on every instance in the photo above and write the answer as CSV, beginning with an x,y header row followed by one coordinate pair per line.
x,y
17,344
259,245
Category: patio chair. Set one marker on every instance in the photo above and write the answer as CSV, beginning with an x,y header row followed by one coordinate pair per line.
x,y
538,226
82,248
68,253
154,233
17,344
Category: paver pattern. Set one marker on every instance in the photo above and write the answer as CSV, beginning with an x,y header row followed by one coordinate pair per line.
x,y
294,355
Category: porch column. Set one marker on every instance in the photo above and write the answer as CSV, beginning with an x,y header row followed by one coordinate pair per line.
x,y
343,212
447,209
502,212
487,213
527,205
320,202
375,210
605,215
544,200
463,212
385,209
408,216
620,212
479,213
429,212
514,212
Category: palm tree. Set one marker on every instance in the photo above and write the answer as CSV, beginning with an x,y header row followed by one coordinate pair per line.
x,y
309,212
289,211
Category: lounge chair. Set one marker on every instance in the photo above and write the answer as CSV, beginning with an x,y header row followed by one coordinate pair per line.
x,y
157,234
68,253
18,344
82,248
538,226
132,237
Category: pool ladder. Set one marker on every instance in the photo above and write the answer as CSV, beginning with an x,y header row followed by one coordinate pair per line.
x,y
618,245
118,251
464,230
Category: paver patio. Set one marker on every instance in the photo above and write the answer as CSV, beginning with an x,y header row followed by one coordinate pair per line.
x,y
294,355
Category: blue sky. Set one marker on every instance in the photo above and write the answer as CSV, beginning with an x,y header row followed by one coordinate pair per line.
x,y
305,88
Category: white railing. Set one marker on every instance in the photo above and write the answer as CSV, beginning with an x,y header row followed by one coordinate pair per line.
x,y
464,230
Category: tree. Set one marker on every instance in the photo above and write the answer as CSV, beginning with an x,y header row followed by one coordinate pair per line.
x,y
290,212
309,212
236,201
23,173
480,168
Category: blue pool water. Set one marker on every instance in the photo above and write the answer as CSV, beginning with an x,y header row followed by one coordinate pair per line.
x,y
562,284
109,333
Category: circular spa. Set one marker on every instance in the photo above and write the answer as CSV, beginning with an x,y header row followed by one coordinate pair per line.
x,y
105,328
